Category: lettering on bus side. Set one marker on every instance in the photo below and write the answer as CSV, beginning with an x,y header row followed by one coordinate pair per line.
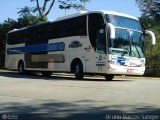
x,y
60,46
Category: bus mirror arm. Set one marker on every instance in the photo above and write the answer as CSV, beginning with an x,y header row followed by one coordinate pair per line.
x,y
153,38
112,31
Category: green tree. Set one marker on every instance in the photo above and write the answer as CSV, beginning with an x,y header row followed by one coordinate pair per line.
x,y
1,46
150,19
68,4
152,52
150,8
4,28
42,11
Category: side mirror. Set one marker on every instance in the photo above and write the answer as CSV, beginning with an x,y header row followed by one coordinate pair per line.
x,y
112,31
153,38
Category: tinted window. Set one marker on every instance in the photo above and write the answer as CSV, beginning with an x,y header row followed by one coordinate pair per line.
x,y
95,23
43,32
78,26
70,27
16,37
50,31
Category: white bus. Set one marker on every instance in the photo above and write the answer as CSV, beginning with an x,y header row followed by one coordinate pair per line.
x,y
95,43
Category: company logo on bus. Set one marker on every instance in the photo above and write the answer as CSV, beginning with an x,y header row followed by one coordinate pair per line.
x,y
75,44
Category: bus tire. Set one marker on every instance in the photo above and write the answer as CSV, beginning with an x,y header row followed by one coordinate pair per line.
x,y
109,77
78,71
21,68
46,73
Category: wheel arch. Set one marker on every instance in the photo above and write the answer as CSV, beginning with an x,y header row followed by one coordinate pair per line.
x,y
73,63
20,61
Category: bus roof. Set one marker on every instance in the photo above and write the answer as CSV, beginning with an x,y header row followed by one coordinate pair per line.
x,y
14,30
98,11
119,14
76,15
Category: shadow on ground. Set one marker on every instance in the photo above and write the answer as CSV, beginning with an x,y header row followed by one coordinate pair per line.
x,y
74,111
56,76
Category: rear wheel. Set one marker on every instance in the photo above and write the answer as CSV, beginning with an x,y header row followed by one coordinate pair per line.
x,y
21,69
46,73
109,77
78,71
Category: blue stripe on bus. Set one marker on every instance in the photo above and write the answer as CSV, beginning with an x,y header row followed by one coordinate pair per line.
x,y
37,48
120,58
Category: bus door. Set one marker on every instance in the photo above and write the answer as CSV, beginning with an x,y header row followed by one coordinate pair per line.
x,y
101,50
97,36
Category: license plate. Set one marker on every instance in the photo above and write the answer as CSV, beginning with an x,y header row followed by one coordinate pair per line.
x,y
130,70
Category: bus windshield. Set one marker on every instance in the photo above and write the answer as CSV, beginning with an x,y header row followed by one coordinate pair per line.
x,y
129,38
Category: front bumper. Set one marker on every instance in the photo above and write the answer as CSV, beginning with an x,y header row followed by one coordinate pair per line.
x,y
125,70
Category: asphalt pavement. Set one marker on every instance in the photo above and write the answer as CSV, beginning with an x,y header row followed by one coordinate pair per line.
x,y
61,97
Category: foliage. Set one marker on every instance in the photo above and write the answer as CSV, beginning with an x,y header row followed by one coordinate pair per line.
x,y
152,51
45,9
67,4
150,19
150,8
42,11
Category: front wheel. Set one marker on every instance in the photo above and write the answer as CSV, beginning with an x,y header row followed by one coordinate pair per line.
x,y
78,71
109,77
